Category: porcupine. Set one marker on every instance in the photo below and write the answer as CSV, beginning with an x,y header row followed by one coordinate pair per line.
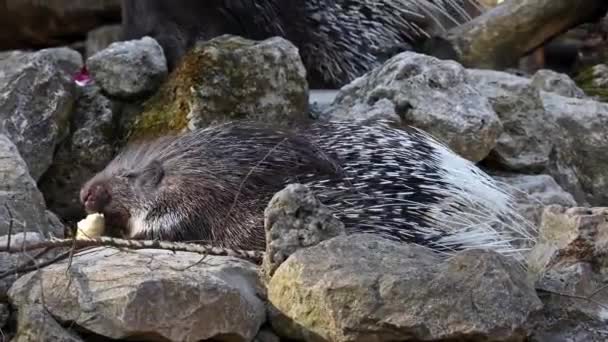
x,y
338,40
212,185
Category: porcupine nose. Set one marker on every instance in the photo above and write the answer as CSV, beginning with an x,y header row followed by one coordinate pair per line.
x,y
95,198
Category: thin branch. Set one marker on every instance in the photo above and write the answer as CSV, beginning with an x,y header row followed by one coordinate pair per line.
x,y
254,256
585,298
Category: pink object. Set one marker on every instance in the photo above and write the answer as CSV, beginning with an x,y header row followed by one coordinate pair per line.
x,y
82,78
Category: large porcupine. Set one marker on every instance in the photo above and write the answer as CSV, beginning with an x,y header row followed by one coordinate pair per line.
x,y
213,184
338,40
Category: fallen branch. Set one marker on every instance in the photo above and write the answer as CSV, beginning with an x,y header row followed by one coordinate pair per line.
x,y
500,36
254,256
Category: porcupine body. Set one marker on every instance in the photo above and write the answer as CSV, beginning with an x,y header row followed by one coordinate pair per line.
x,y
213,184
338,40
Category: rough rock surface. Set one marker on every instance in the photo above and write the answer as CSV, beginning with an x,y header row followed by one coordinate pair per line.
x,y
430,94
229,78
36,98
581,146
35,324
534,192
549,133
129,69
22,205
569,266
363,288
558,83
101,37
87,149
294,219
525,144
9,261
155,293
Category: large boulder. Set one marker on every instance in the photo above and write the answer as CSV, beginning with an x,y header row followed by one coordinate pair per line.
x,y
156,294
364,288
37,96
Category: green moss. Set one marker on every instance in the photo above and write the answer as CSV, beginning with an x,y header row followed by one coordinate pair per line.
x,y
222,79
585,80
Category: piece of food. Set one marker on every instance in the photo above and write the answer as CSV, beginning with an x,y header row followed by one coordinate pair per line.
x,y
90,227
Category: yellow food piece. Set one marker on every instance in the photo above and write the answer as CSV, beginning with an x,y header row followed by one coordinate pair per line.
x,y
92,226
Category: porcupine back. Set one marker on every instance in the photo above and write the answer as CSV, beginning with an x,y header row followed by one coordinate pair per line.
x,y
338,40
405,185
400,184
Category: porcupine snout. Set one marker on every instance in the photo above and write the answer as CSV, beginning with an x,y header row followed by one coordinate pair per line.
x,y
95,198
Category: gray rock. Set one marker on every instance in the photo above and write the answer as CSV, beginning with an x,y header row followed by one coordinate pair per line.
x,y
35,324
263,80
568,265
9,261
534,192
36,98
22,205
430,94
129,69
526,142
266,335
87,149
4,315
561,84
175,296
549,133
364,288
56,227
294,219
581,160
101,37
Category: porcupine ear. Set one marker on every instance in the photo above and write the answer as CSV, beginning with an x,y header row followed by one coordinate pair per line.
x,y
150,175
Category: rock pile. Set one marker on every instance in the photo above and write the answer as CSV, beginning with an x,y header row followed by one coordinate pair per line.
x,y
542,136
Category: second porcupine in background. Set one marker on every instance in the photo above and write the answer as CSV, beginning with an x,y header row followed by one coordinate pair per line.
x,y
338,40
213,184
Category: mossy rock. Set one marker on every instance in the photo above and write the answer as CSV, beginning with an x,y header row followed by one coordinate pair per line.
x,y
588,80
224,79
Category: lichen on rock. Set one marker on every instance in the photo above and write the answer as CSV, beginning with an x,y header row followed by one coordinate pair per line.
x,y
228,78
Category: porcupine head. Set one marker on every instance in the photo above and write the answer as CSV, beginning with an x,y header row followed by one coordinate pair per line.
x,y
117,193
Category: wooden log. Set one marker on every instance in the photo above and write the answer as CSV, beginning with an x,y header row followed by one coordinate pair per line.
x,y
500,36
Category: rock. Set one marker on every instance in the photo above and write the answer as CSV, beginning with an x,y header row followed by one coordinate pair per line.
x,y
174,296
320,100
56,227
37,325
551,81
294,219
568,265
25,23
545,132
534,192
101,37
22,205
266,335
430,94
87,150
36,98
129,69
570,235
526,143
229,78
580,158
4,315
8,261
364,288
594,81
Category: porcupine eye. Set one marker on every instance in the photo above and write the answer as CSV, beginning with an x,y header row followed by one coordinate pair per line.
x,y
148,177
